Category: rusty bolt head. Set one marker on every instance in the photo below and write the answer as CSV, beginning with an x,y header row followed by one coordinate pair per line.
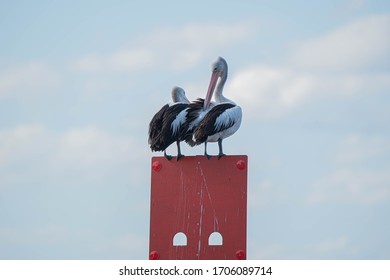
x,y
156,166
154,255
240,255
241,164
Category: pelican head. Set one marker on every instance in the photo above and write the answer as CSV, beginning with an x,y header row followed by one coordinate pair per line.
x,y
179,95
219,70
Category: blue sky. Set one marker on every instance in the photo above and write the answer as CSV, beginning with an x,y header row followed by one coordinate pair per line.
x,y
80,81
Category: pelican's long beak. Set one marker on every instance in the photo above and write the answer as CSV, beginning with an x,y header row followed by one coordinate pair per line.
x,y
210,91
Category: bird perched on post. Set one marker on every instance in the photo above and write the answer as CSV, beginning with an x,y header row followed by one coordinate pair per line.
x,y
222,118
166,125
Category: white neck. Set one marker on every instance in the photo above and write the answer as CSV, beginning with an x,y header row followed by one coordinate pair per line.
x,y
182,99
219,98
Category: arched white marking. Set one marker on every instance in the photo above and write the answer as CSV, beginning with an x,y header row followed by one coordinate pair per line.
x,y
215,239
180,239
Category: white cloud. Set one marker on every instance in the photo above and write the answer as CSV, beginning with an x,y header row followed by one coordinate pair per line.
x,y
73,182
352,186
275,91
23,142
90,146
62,240
34,153
355,178
174,47
266,194
27,80
355,149
187,45
361,43
122,60
268,92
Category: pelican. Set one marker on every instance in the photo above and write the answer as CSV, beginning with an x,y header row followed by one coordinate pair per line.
x,y
223,117
165,126
196,113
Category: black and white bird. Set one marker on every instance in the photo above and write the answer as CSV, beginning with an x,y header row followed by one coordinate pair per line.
x,y
223,117
196,113
166,125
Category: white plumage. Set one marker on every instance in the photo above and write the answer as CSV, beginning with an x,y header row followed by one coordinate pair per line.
x,y
222,118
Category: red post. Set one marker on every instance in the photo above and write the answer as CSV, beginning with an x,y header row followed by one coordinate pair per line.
x,y
198,208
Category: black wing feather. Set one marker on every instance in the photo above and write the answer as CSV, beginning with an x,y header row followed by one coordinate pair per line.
x,y
193,112
207,126
155,126
160,133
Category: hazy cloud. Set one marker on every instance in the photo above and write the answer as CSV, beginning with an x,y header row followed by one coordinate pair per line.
x,y
120,61
176,47
269,91
194,41
330,246
358,44
70,187
355,149
27,80
352,186
355,179
88,153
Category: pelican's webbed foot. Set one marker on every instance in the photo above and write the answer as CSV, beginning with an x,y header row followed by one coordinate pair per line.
x,y
221,155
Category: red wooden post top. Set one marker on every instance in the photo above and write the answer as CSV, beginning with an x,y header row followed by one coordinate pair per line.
x,y
198,208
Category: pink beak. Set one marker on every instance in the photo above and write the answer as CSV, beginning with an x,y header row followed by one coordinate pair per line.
x,y
210,91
